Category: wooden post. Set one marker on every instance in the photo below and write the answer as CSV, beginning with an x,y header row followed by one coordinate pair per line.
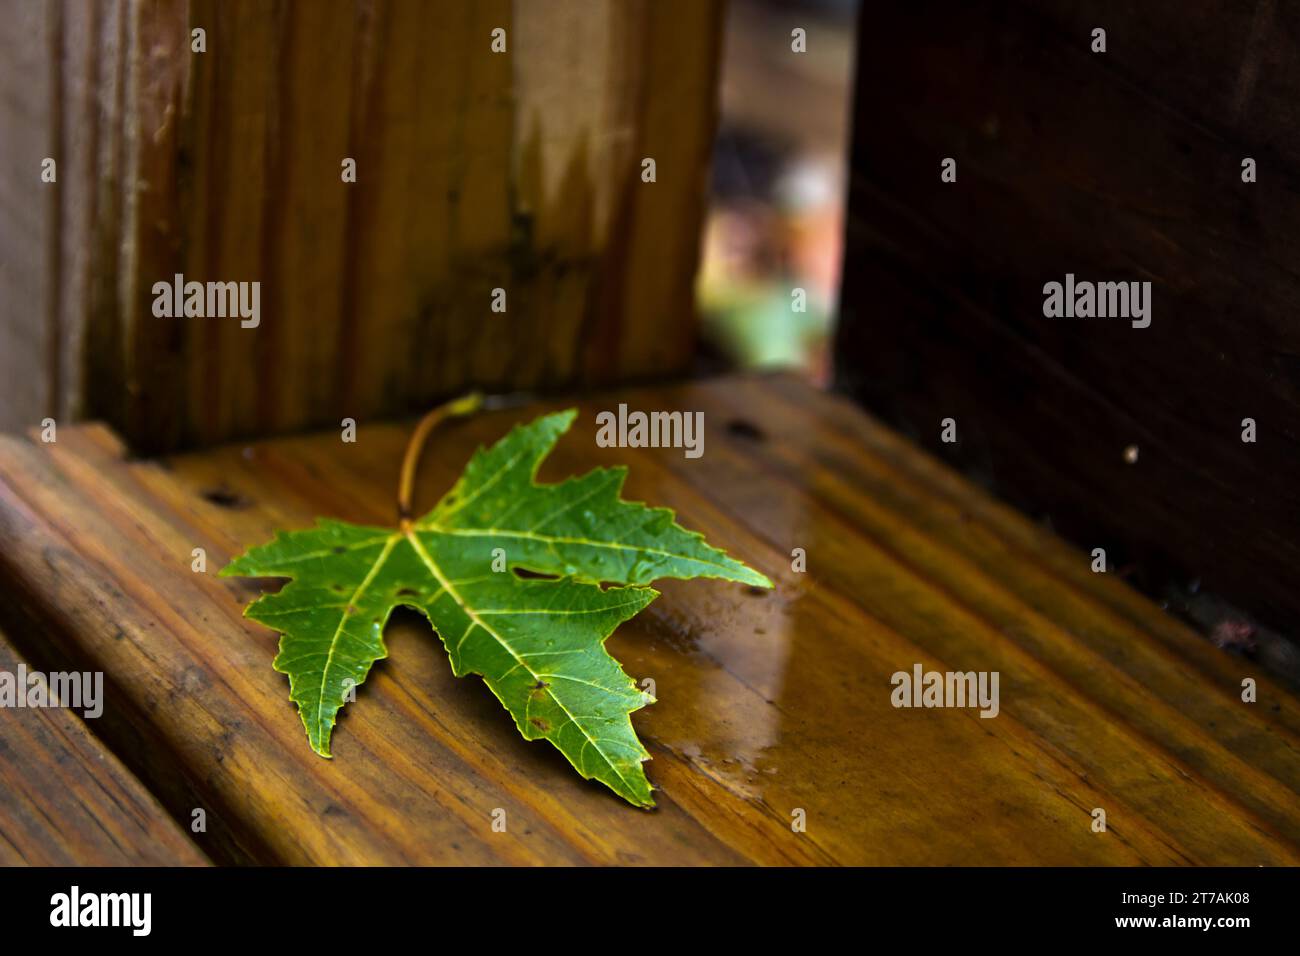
x,y
476,170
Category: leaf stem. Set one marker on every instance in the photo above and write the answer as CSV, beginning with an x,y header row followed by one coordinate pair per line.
x,y
465,405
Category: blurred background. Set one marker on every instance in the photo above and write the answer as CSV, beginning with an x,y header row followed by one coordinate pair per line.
x,y
775,220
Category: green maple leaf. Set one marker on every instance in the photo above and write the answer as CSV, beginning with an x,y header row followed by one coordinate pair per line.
x,y
538,643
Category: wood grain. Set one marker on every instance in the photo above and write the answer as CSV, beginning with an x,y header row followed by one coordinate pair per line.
x,y
475,171
65,800
1117,166
28,209
768,702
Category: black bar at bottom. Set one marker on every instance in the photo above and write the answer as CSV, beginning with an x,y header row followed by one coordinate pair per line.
x,y
363,907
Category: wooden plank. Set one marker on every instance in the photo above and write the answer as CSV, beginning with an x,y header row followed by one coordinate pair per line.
x,y
768,702
65,800
1117,166
475,171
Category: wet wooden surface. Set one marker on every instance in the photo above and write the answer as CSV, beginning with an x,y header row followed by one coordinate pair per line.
x,y
768,703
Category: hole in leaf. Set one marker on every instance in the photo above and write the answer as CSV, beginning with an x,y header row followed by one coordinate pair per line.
x,y
534,575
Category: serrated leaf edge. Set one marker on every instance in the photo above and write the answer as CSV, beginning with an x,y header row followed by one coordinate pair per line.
x,y
477,620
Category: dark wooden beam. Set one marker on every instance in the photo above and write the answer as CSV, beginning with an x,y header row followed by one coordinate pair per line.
x,y
1124,165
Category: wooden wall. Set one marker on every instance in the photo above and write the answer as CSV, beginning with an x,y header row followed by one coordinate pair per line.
x,y
476,170
1123,165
